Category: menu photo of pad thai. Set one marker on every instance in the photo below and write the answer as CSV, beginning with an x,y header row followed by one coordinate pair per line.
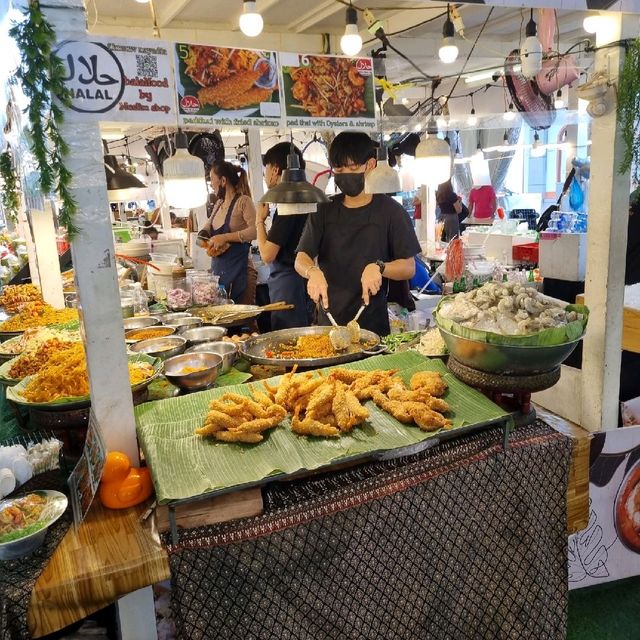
x,y
217,83
319,90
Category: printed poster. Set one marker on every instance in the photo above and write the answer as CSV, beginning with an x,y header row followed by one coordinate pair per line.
x,y
328,92
219,86
85,477
113,80
609,548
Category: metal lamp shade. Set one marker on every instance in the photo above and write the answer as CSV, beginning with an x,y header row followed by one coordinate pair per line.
x,y
433,161
121,184
184,182
383,179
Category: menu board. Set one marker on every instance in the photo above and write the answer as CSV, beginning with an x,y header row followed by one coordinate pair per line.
x,y
219,86
328,92
119,80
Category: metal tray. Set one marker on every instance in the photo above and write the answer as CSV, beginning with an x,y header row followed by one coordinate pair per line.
x,y
232,314
255,349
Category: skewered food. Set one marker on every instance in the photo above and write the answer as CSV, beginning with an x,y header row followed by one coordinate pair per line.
x,y
508,309
38,314
15,295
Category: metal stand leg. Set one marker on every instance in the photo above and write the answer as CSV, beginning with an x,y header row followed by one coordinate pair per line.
x,y
137,616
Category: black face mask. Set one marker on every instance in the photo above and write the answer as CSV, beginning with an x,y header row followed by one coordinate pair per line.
x,y
351,184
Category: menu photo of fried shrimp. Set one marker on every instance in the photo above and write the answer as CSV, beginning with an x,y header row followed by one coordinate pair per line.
x,y
218,79
329,87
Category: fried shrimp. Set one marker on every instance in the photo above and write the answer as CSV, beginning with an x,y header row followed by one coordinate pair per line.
x,y
229,88
429,420
430,381
418,395
347,376
238,436
310,427
347,409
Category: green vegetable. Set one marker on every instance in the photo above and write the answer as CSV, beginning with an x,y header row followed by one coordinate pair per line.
x,y
394,340
72,325
21,533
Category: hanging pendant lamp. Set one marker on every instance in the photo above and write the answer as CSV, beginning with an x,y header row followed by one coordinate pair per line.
x,y
294,189
121,185
433,158
383,179
185,186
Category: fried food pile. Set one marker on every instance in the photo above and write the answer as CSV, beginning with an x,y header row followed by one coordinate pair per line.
x,y
15,295
31,362
38,314
328,406
329,87
238,418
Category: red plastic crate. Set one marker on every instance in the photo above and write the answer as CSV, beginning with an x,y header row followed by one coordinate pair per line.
x,y
526,252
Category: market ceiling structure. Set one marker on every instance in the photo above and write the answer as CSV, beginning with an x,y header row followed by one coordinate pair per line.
x,y
414,26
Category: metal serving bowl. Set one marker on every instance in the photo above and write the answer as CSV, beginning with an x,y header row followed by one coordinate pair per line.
x,y
204,334
173,368
160,347
226,350
506,359
141,322
129,336
182,324
168,318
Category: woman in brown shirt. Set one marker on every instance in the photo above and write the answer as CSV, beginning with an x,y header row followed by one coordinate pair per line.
x,y
231,228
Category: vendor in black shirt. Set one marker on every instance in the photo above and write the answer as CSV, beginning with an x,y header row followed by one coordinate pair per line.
x,y
359,240
278,247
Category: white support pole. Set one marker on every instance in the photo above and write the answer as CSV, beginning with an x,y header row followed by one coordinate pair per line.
x,y
137,616
94,263
606,249
44,235
255,165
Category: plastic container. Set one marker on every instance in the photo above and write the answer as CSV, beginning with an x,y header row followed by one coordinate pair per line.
x,y
127,304
526,252
163,258
179,296
140,300
204,289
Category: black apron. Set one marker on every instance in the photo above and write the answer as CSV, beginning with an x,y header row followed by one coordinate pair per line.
x,y
285,284
360,242
232,265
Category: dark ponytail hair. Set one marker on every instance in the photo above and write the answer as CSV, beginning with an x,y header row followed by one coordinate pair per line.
x,y
236,176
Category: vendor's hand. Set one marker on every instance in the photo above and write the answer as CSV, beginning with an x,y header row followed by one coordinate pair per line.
x,y
262,212
217,242
317,288
371,281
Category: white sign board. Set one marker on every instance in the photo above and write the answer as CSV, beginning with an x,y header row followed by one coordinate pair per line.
x,y
113,80
609,548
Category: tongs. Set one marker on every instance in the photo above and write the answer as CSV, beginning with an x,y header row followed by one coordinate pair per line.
x,y
339,336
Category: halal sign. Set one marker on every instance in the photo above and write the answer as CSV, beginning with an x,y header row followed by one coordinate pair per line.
x,y
93,76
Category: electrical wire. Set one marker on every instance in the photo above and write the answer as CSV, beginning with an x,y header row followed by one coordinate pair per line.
x,y
411,28
346,3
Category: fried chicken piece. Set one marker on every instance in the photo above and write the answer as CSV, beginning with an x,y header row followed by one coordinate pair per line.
x,y
431,381
348,376
253,96
347,409
429,420
237,84
322,396
419,395
310,427
401,411
238,436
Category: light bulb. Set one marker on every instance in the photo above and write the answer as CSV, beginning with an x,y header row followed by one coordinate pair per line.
x,y
472,120
537,149
592,22
558,103
251,22
509,114
351,41
479,154
531,53
432,165
448,52
143,1
441,121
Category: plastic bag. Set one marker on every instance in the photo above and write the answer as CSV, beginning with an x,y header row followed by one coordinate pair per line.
x,y
576,195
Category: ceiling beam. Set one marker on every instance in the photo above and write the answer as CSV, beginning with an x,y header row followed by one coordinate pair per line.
x,y
167,11
310,18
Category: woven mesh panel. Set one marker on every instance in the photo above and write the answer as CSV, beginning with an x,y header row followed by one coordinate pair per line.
x,y
461,541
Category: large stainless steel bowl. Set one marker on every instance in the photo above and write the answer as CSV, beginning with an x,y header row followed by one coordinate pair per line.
x,y
204,334
141,322
161,347
506,359
226,350
210,363
168,318
182,324
130,336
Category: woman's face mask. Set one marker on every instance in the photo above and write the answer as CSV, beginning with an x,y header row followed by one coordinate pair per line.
x,y
351,184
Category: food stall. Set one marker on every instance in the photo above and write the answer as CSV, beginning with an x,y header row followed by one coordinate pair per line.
x,y
363,487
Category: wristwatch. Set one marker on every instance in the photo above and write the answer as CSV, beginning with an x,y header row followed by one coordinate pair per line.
x,y
381,265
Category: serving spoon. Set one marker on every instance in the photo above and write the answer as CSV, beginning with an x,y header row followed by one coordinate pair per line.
x,y
354,328
339,336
